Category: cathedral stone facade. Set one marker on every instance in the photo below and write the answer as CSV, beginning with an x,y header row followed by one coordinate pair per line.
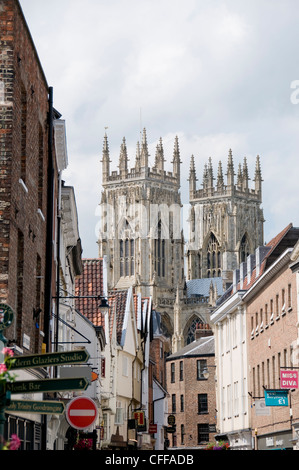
x,y
141,233
226,221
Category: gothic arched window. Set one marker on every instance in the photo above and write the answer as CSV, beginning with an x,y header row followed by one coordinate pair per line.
x,y
191,330
244,249
160,253
198,270
213,257
126,257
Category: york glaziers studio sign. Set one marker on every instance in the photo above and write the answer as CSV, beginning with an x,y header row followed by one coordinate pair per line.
x,y
51,359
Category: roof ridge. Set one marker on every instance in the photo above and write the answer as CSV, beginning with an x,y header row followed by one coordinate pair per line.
x,y
275,240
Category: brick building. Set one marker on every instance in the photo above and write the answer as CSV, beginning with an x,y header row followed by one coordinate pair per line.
x,y
272,318
192,396
160,347
30,157
25,156
256,336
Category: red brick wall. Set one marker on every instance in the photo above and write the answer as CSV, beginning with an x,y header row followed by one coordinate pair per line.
x,y
190,387
274,342
22,75
159,368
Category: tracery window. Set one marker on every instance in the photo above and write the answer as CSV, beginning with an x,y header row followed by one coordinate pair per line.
x,y
213,257
126,257
191,331
160,253
244,249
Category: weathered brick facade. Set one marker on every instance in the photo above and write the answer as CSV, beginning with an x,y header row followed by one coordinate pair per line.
x,y
192,398
23,176
272,325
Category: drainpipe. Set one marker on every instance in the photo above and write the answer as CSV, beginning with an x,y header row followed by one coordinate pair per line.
x,y
49,247
58,264
49,240
131,401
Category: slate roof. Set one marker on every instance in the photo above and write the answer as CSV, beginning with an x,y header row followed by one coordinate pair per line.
x,y
202,286
204,346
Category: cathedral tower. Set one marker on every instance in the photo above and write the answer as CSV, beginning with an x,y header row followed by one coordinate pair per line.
x,y
141,225
226,220
141,232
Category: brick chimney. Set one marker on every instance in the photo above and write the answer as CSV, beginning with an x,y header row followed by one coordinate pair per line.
x,y
202,330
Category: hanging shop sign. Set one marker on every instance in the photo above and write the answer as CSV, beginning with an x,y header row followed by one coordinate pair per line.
x,y
171,420
6,316
289,379
140,420
276,398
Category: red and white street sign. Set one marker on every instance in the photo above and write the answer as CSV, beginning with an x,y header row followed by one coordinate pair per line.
x,y
152,428
81,412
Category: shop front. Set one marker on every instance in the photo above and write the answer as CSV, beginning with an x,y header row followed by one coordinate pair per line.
x,y
282,440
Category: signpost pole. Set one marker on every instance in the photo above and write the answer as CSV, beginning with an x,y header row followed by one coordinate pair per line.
x,y
3,397
2,414
6,319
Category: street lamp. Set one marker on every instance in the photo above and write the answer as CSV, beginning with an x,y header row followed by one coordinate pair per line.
x,y
206,372
103,305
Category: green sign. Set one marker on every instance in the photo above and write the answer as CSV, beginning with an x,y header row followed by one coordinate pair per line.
x,y
41,407
49,385
276,397
50,359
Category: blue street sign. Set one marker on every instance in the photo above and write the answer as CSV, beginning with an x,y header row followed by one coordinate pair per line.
x,y
276,398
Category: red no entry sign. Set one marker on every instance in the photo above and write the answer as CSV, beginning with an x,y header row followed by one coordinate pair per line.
x,y
81,412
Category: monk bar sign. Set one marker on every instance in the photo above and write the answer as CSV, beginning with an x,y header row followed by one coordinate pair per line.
x,y
51,359
52,385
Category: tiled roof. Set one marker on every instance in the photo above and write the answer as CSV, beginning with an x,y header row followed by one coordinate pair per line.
x,y
90,284
136,307
118,302
269,257
274,249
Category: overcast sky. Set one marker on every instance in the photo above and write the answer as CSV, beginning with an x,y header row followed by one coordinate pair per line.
x,y
219,74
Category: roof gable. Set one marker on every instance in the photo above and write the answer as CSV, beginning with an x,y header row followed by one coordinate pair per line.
x,y
268,255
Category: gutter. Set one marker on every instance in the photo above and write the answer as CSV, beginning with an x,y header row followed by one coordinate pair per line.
x,y
273,269
58,264
49,248
230,304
